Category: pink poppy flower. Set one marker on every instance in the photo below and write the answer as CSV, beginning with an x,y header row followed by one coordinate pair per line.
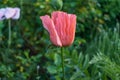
x,y
61,27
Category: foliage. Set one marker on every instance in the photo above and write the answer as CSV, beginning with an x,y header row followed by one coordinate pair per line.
x,y
107,47
94,55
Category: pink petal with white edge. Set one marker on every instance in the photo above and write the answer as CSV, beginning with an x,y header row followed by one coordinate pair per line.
x,y
50,27
17,13
10,12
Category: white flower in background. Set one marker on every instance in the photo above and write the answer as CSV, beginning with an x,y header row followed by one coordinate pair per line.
x,y
9,13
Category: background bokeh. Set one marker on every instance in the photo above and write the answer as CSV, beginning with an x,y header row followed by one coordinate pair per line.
x,y
94,55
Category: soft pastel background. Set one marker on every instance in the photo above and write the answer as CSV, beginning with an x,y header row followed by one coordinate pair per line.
x,y
94,55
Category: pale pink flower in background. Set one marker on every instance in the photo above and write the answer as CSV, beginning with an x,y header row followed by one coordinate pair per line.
x,y
17,15
9,13
61,27
13,13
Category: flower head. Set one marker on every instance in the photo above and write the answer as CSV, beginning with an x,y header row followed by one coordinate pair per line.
x,y
9,13
61,27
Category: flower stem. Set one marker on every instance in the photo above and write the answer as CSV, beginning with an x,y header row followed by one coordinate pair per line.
x,y
62,58
9,34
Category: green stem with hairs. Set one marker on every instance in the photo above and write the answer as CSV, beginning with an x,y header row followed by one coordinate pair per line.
x,y
9,33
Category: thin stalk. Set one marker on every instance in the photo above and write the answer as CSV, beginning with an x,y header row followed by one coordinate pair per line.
x,y
9,33
62,58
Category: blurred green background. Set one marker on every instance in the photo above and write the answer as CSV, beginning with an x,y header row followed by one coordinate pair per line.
x,y
94,55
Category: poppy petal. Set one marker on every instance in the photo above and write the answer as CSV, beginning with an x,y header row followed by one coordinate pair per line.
x,y
65,25
72,27
10,12
50,27
17,13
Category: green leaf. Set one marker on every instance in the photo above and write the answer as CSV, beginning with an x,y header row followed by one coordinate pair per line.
x,y
75,75
52,69
57,59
